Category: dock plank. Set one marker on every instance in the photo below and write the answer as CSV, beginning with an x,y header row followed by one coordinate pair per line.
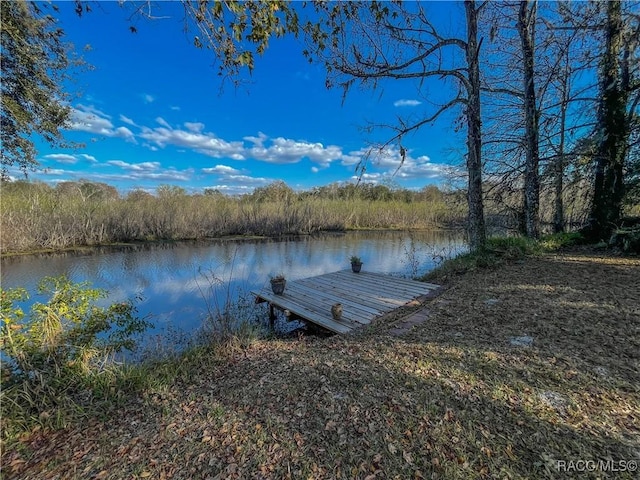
x,y
364,297
349,312
322,308
333,295
350,295
367,284
395,284
375,294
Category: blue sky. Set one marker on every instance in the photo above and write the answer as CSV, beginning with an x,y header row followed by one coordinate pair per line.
x,y
152,112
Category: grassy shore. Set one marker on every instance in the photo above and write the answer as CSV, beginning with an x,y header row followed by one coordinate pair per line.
x,y
36,217
519,371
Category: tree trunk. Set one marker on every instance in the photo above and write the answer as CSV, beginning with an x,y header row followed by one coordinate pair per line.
x,y
558,178
613,133
526,29
477,232
558,164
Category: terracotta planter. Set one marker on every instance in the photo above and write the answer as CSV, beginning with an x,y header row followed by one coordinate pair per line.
x,y
277,285
336,311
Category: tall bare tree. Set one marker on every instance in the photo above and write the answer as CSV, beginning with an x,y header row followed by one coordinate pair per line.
x,y
538,94
526,29
477,230
559,160
567,108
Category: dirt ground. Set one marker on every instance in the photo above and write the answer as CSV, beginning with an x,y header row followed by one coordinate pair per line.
x,y
531,370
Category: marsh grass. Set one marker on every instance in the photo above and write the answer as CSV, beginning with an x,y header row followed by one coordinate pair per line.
x,y
232,319
35,216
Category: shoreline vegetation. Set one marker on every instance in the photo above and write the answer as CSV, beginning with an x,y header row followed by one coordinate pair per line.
x,y
454,397
37,218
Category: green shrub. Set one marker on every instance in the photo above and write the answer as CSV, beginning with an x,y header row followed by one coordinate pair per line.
x,y
512,247
497,251
57,360
463,263
558,240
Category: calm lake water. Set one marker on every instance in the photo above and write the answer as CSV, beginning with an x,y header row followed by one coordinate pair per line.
x,y
178,283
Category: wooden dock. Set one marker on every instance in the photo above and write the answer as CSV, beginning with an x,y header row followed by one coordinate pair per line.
x,y
364,296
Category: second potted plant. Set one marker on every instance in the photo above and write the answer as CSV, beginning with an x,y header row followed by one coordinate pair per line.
x,y
356,263
278,283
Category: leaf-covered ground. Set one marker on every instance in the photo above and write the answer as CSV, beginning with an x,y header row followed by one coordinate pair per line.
x,y
513,372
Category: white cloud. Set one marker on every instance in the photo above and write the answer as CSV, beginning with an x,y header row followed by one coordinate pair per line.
x,y
174,108
144,171
127,120
70,159
193,137
389,161
424,170
170,175
385,158
162,122
235,181
166,176
136,167
125,172
62,158
406,103
352,158
247,180
278,150
257,141
205,143
195,127
221,170
53,171
370,177
88,158
147,98
285,151
86,118
125,133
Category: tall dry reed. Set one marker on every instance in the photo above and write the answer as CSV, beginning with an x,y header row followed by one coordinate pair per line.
x,y
35,216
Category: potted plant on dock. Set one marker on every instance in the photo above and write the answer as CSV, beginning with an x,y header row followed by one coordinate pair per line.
x,y
336,311
278,283
356,263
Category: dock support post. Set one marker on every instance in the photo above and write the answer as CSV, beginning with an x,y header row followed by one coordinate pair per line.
x,y
272,315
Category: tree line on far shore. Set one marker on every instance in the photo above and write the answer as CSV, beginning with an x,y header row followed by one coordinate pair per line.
x,y
36,216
